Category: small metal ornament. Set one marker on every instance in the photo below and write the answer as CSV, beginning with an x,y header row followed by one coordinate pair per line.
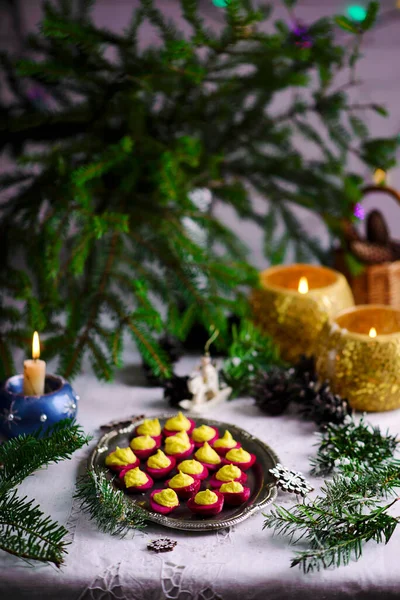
x,y
161,545
293,482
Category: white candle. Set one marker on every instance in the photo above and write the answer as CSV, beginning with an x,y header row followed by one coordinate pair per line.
x,y
34,371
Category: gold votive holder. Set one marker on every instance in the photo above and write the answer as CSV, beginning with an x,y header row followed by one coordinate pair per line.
x,y
293,319
359,353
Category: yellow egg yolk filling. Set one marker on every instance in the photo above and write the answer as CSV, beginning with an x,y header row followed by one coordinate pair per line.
x,y
135,477
143,442
234,487
206,497
166,498
226,441
204,433
238,455
207,455
192,467
120,457
178,423
176,444
158,461
181,480
228,473
149,427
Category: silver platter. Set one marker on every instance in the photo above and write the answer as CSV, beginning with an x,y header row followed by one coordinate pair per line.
x,y
260,481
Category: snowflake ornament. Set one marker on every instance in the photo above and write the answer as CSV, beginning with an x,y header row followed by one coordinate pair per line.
x,y
10,415
293,482
70,409
162,545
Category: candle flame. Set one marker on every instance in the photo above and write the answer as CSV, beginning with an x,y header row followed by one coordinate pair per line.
x,y
303,285
372,332
35,345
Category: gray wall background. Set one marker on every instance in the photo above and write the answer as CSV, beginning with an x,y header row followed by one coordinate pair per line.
x,y
379,73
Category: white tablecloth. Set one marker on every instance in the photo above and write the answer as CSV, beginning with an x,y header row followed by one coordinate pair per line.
x,y
244,562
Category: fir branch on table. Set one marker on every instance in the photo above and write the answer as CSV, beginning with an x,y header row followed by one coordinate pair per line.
x,y
105,200
24,530
350,510
344,444
22,455
112,511
336,524
27,533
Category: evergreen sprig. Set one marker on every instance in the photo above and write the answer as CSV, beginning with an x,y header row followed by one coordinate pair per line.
x,y
350,510
107,506
24,530
250,353
121,137
22,455
352,442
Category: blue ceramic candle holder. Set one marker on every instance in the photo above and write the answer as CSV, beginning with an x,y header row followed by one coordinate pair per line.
x,y
26,414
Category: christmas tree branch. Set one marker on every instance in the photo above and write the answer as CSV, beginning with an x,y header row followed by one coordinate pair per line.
x,y
112,511
21,456
349,512
24,530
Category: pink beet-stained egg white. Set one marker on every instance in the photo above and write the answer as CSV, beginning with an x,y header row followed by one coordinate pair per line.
x,y
226,474
179,446
184,485
144,446
204,433
194,468
225,443
164,501
206,503
136,481
234,493
241,458
150,427
121,458
208,457
178,423
159,465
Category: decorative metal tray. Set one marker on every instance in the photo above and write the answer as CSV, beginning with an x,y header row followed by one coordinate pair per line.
x,y
260,481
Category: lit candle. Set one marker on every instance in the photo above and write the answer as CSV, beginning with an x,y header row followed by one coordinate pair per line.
x,y
303,285
34,371
358,352
293,303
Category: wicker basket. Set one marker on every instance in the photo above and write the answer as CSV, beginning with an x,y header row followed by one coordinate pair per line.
x,y
380,283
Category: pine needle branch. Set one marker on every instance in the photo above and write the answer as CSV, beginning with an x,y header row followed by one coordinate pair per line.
x,y
112,511
22,455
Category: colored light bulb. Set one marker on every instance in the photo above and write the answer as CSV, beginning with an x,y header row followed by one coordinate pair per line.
x,y
357,12
221,3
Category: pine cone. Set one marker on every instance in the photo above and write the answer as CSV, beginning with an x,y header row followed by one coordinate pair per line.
x,y
371,254
377,229
305,368
176,390
325,407
272,391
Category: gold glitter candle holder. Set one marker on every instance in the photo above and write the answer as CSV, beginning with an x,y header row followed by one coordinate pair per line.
x,y
359,353
293,319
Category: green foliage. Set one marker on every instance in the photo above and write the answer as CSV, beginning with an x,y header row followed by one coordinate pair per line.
x,y
108,506
99,204
24,530
352,442
250,353
350,510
